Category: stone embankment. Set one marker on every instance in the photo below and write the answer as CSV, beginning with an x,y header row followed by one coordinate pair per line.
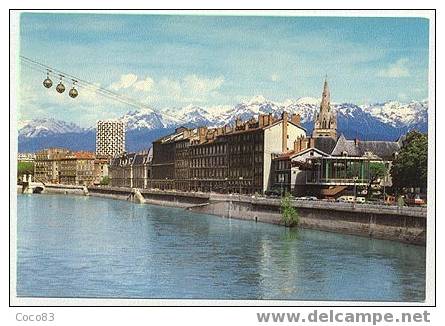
x,y
404,224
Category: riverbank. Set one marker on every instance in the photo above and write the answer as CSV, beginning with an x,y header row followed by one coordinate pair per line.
x,y
403,224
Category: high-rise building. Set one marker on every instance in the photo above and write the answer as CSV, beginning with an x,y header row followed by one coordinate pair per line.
x,y
326,120
110,138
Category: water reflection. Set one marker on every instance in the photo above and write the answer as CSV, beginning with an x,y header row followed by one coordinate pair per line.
x,y
93,247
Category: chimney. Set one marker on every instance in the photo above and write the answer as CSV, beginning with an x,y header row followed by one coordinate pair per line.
x,y
284,135
356,141
238,123
261,120
297,145
311,142
202,132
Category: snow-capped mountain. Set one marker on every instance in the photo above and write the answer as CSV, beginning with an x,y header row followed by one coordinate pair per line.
x,y
385,121
46,127
398,114
148,119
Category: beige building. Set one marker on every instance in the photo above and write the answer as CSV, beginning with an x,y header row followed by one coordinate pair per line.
x,y
110,138
46,167
26,157
77,169
100,169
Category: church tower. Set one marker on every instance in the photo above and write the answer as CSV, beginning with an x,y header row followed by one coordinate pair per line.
x,y
326,120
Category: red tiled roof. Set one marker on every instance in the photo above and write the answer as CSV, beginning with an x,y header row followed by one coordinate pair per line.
x,y
85,155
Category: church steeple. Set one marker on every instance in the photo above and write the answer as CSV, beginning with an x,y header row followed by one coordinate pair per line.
x,y
325,97
326,121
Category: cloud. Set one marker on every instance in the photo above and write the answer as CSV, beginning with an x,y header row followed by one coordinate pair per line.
x,y
36,101
145,85
191,88
398,69
125,82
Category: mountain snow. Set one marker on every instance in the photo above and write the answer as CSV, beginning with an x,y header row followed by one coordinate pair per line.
x,y
46,127
392,113
398,114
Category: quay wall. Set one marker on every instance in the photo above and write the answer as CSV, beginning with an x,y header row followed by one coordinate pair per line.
x,y
63,189
404,224
403,228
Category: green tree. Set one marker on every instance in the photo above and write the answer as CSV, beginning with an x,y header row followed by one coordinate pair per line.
x,y
377,170
410,168
105,181
25,168
289,215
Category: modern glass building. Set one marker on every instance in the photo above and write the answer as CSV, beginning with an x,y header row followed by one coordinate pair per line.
x,y
335,171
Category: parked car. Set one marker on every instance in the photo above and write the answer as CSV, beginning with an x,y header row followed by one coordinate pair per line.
x,y
360,200
351,199
345,199
307,198
414,200
272,193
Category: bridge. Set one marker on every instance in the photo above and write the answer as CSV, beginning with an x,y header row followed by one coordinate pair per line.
x,y
31,187
38,187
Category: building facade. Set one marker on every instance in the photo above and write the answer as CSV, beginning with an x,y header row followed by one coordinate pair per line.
x,y
77,169
132,170
59,165
26,157
325,165
231,159
100,170
110,138
46,167
311,171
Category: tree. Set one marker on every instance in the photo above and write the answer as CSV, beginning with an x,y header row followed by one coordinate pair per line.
x,y
105,181
25,168
289,213
377,170
410,168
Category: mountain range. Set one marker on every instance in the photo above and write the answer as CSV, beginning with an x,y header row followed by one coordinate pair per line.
x,y
379,121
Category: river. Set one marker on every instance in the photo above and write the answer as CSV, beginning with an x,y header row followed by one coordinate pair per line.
x,y
83,247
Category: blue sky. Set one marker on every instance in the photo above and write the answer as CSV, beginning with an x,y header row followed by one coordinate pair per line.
x,y
171,60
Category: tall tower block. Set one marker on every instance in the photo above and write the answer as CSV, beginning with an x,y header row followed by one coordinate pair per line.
x,y
110,138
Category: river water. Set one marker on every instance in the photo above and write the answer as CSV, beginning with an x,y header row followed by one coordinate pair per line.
x,y
72,246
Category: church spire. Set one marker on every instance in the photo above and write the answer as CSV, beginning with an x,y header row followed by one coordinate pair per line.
x,y
325,97
326,121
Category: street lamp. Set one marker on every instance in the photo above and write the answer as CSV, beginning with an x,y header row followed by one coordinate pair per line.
x,y
240,180
384,185
355,189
